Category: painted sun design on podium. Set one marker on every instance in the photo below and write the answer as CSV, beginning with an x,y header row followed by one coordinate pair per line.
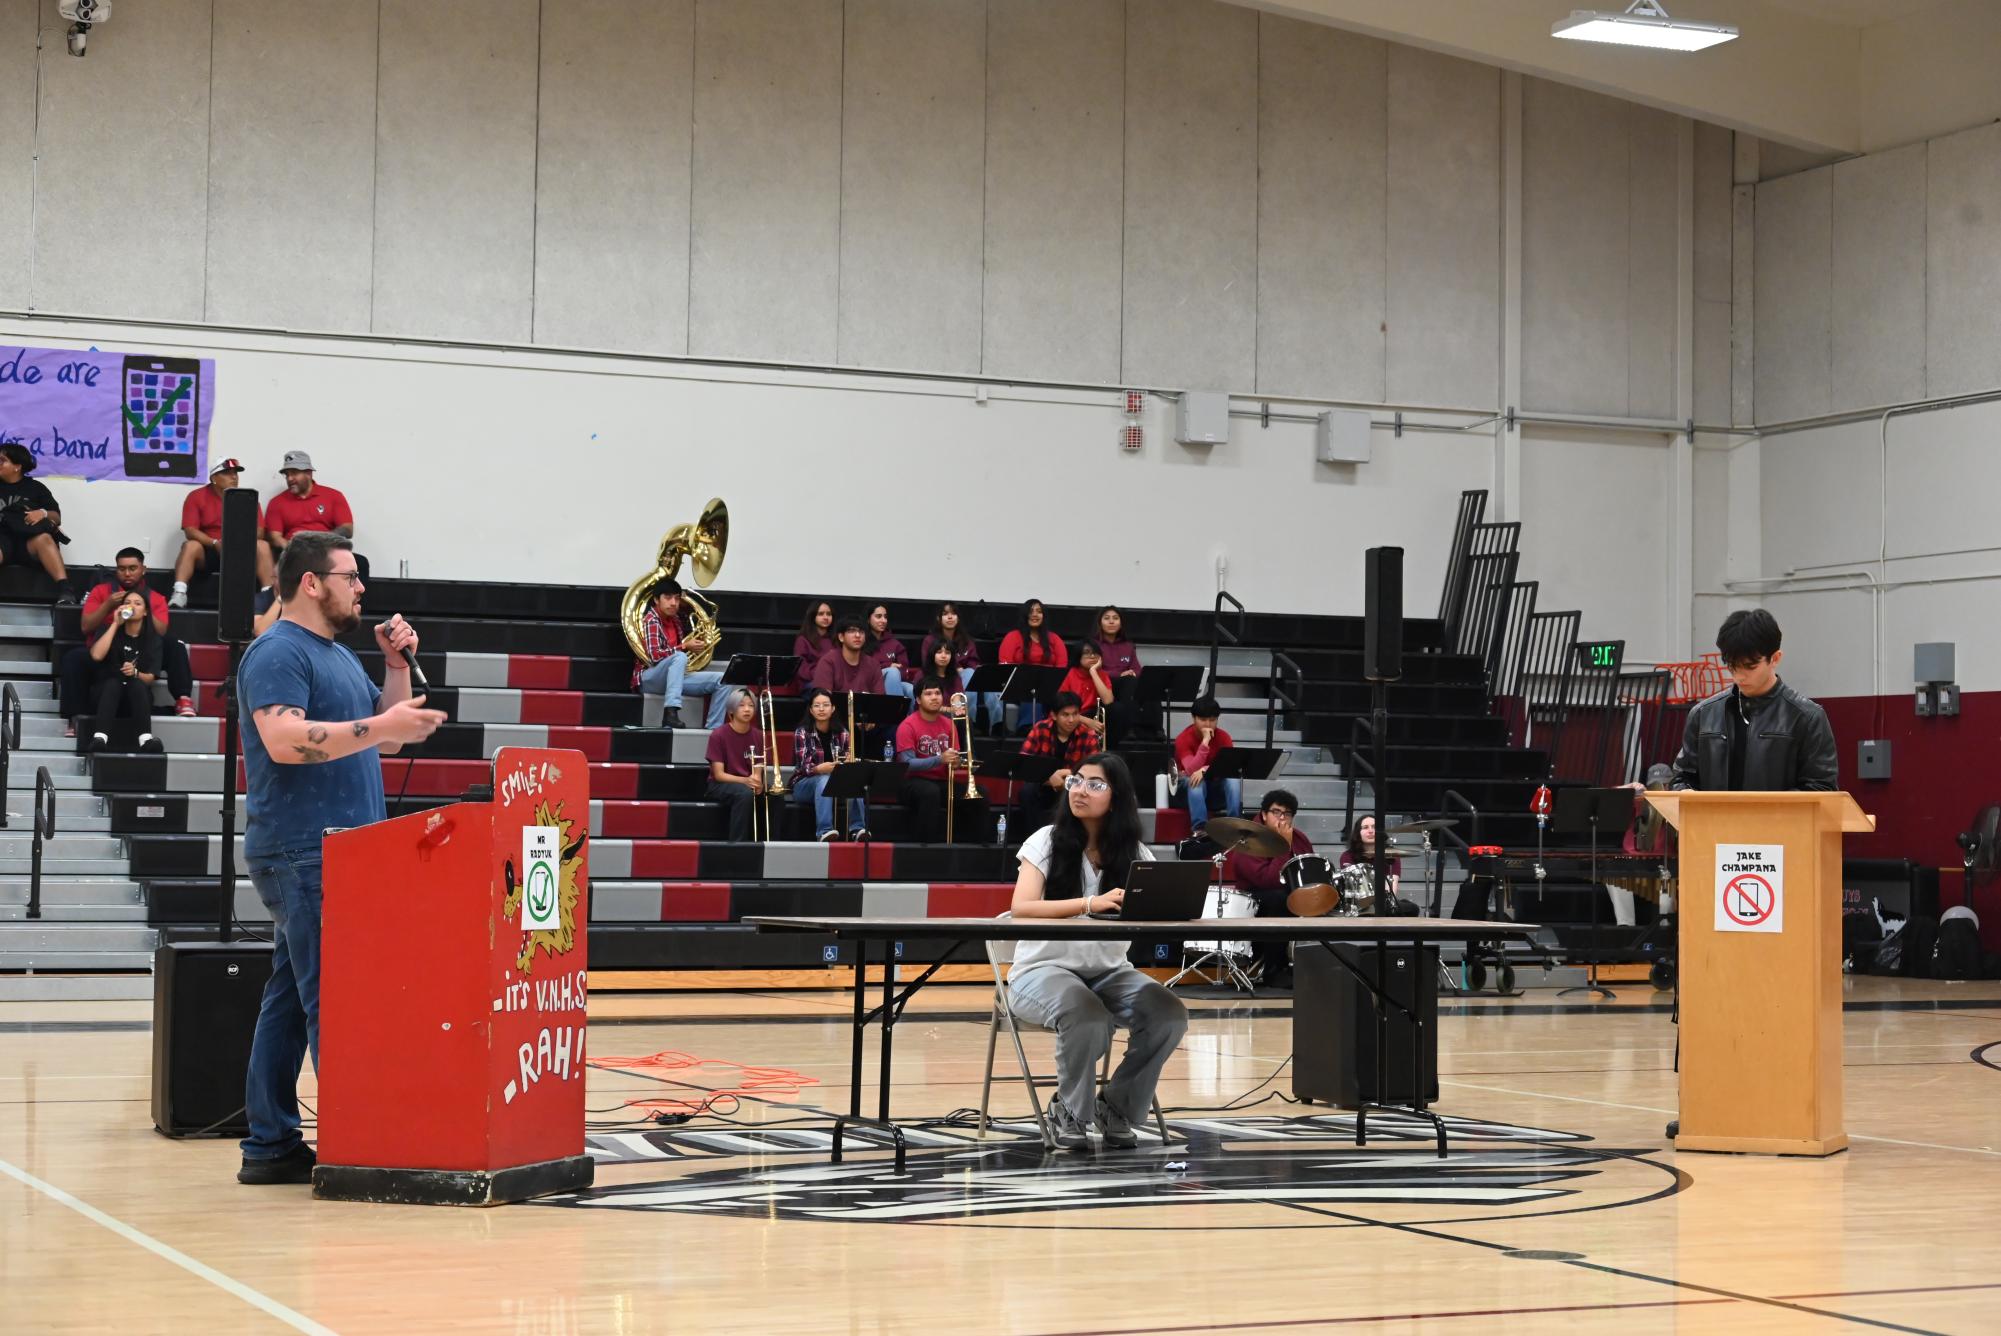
x,y
569,890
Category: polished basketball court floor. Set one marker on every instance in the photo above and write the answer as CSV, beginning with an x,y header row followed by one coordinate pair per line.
x,y
1562,1207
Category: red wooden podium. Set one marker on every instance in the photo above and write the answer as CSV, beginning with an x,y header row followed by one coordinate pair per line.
x,y
451,1028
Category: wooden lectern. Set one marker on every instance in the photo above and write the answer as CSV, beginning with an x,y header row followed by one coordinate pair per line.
x,y
1760,968
452,995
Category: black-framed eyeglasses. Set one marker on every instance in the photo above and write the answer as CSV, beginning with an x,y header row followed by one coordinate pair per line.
x,y
353,578
1282,812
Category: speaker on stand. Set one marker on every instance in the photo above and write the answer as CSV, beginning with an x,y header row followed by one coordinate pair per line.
x,y
1382,663
206,995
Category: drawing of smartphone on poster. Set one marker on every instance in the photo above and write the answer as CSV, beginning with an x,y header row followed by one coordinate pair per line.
x,y
161,413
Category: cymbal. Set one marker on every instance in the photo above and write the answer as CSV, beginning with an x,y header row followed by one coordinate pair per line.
x,y
1313,901
1419,827
1251,837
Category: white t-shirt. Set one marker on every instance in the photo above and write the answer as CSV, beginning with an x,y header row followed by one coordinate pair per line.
x,y
1085,958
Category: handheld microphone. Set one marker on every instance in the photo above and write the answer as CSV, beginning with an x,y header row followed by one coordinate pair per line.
x,y
418,685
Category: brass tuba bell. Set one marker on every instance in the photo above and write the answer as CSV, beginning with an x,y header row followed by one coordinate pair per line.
x,y
704,544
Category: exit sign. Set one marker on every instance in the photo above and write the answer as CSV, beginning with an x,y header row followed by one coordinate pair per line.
x,y
1605,654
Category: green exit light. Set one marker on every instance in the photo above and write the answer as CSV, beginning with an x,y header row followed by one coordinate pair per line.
x,y
1605,655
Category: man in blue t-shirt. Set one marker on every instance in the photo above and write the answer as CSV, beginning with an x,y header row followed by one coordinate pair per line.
x,y
312,724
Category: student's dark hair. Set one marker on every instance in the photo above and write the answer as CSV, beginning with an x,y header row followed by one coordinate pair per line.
x,y
1039,634
1068,700
843,625
1355,835
959,637
307,552
1118,837
1280,798
663,588
1205,707
20,454
1090,646
925,684
806,626
1748,635
131,552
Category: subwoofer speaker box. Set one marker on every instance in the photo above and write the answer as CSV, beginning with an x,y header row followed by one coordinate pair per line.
x,y
1334,1023
1382,629
236,588
205,1000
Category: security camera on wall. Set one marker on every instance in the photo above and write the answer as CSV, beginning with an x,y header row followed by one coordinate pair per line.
x,y
82,14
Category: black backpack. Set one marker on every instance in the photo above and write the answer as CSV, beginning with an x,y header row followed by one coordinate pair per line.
x,y
1956,953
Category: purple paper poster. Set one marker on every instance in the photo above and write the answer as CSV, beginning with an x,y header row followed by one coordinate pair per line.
x,y
108,414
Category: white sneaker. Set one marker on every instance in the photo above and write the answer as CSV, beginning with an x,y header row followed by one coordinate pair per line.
x,y
178,599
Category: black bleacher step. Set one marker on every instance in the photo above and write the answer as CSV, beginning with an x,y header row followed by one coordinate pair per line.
x,y
731,946
1476,730
1475,763
1358,698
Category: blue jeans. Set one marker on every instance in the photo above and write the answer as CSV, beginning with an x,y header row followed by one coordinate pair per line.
x,y
670,678
1229,792
894,685
288,1022
810,790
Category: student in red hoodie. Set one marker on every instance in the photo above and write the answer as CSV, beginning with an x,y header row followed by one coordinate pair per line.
x,y
1034,644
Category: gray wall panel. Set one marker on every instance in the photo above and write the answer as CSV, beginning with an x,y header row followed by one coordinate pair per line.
x,y
455,169
1963,277
1575,239
1321,196
1791,294
1878,289
1653,261
18,19
766,248
291,164
1712,273
1191,226
612,175
1054,189
129,121
912,179
1444,230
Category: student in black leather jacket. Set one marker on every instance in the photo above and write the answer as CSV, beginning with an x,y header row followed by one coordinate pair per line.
x,y
1760,734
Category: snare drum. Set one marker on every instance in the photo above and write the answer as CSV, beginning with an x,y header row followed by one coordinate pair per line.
x,y
1306,870
1235,904
1357,886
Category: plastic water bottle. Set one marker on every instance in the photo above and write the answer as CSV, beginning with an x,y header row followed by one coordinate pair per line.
x,y
889,750
1000,830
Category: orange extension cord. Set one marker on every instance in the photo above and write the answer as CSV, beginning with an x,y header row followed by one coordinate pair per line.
x,y
777,1084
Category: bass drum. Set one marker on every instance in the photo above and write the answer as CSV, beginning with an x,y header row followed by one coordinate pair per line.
x,y
1226,904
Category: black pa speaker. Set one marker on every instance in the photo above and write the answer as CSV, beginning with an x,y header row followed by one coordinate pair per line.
x,y
205,1001
1334,1023
236,592
1382,632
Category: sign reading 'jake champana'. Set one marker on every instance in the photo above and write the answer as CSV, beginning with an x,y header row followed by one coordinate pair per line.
x,y
1750,888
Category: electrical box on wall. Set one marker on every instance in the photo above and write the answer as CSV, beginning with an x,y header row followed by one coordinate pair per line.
x,y
1872,759
1341,436
1933,661
1202,417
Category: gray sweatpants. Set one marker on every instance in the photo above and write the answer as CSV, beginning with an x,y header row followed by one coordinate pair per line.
x,y
1082,1012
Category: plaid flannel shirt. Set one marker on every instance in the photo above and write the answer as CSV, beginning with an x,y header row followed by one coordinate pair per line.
x,y
1042,741
806,752
661,640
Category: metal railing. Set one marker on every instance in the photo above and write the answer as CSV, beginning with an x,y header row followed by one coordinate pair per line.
x,y
10,738
1275,691
1352,763
45,828
1218,632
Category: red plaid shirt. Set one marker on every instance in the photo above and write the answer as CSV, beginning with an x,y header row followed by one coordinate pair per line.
x,y
661,638
1042,741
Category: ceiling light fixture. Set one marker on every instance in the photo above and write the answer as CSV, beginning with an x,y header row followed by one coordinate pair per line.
x,y
1645,23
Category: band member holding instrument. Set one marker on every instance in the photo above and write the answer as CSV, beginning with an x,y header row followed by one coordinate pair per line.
x,y
735,780
1064,736
927,742
1121,670
815,639
1194,750
1033,643
665,671
847,667
899,674
1362,849
1082,989
1261,877
819,744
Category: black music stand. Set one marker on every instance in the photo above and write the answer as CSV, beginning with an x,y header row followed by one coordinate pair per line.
x,y
1027,772
864,780
762,672
876,715
1163,685
1588,812
1017,683
1247,763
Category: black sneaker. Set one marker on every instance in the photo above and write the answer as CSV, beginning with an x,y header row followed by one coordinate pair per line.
x,y
671,719
1117,1131
294,1168
66,595
1065,1130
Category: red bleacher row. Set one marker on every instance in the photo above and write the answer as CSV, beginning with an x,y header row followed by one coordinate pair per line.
x,y
709,901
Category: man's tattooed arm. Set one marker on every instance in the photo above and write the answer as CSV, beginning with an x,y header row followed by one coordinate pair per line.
x,y
311,755
292,739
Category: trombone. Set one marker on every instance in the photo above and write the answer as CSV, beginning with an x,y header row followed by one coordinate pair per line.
x,y
961,713
765,759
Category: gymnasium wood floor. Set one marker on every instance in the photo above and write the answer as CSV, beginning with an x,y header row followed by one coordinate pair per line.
x,y
1562,1211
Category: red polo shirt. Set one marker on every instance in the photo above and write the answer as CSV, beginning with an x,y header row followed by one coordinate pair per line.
x,y
203,511
323,511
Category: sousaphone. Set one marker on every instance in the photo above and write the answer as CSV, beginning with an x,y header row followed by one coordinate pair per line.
x,y
703,544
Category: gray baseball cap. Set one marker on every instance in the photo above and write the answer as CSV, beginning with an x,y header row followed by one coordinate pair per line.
x,y
297,459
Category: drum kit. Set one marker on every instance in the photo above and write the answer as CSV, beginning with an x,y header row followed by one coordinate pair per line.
x,y
1314,888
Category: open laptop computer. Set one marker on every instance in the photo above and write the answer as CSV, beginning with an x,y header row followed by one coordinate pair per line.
x,y
1164,891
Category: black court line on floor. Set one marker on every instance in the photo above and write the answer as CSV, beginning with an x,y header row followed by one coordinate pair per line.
x,y
73,1027
1987,1054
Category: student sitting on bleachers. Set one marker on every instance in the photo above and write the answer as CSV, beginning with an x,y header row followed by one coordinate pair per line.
x,y
946,629
927,742
1064,736
664,671
30,520
1194,750
815,639
733,780
1033,643
819,744
104,599
847,668
1121,669
1263,878
899,674
1086,681
125,659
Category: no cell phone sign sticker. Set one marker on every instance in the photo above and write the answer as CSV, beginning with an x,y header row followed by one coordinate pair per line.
x,y
1750,888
